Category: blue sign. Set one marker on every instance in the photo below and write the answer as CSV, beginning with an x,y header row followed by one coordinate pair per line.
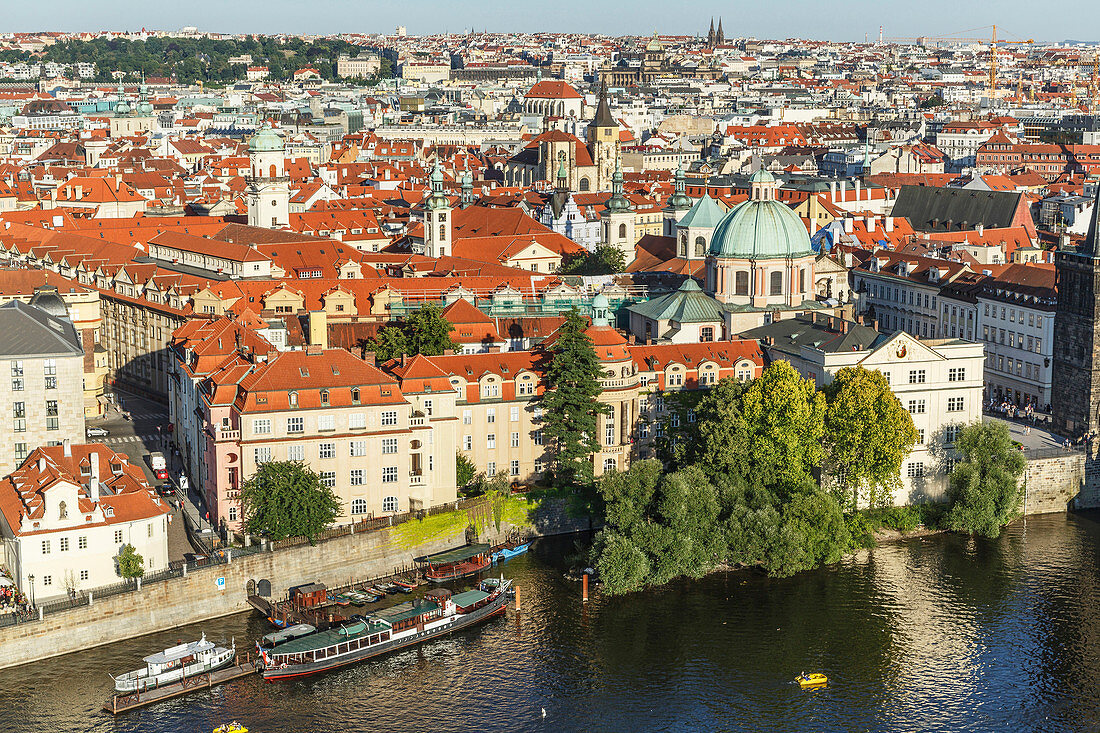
x,y
220,582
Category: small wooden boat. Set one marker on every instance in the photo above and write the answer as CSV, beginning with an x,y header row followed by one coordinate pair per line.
x,y
404,583
374,590
389,587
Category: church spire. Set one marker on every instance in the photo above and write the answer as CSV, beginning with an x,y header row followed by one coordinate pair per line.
x,y
710,33
720,36
617,202
603,116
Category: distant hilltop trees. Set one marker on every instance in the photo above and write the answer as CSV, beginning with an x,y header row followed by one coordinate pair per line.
x,y
191,60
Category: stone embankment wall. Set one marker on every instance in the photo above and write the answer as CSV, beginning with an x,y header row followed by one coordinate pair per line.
x,y
198,596
1057,483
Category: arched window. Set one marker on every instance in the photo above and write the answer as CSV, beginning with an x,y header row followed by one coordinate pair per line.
x,y
273,170
293,396
389,504
584,184
683,245
610,464
622,231
324,396
62,511
358,506
355,395
442,232
802,281
741,283
700,246
776,283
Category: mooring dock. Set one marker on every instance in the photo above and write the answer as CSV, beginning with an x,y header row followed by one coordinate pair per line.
x,y
131,701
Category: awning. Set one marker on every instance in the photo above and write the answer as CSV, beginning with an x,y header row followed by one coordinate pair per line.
x,y
456,555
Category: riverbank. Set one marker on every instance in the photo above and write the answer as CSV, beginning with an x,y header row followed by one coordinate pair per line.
x,y
211,592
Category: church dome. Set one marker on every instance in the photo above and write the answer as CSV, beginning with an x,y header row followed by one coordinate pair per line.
x,y
47,299
761,228
264,141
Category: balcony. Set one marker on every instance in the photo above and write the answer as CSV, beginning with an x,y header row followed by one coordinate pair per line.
x,y
626,383
223,434
417,422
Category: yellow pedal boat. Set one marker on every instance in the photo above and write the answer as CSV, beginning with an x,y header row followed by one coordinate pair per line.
x,y
233,727
814,679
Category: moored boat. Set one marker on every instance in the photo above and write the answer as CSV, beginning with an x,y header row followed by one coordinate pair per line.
x,y
462,562
404,625
175,663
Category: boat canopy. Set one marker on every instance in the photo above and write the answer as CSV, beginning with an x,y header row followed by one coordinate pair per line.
x,y
292,632
407,610
469,598
456,555
179,651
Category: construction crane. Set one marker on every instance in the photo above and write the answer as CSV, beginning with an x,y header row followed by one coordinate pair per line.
x,y
992,41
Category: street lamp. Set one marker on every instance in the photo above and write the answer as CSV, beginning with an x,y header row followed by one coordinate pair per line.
x,y
31,579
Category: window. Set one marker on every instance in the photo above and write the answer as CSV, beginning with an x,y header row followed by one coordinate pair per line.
x,y
955,404
491,469
389,445
63,543
118,536
295,424
356,477
491,441
916,407
263,454
261,427
324,396
51,382
490,389
389,475
326,423
609,433
916,376
525,387
355,396
610,464
389,504
956,374
467,417
491,415
20,451
514,414
149,529
536,436
45,547
49,367
359,506
17,368
920,436
951,433
328,479
389,417
326,450
47,580
358,421
232,514
776,283
675,379
915,470
741,283
83,574
17,384
358,448
295,452
293,397
467,442
19,413
82,543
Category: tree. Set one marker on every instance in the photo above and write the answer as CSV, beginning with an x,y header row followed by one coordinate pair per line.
x,y
777,439
389,343
286,499
428,332
464,470
984,493
130,563
717,416
867,436
606,259
570,405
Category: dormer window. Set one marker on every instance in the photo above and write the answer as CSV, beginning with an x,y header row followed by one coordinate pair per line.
x,y
355,396
109,511
324,396
293,399
116,469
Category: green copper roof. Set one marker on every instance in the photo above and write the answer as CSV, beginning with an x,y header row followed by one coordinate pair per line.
x,y
265,140
705,213
689,304
760,229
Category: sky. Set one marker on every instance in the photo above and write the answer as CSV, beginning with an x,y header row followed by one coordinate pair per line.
x,y
819,19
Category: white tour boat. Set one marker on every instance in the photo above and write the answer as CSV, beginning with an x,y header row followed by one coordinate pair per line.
x,y
175,663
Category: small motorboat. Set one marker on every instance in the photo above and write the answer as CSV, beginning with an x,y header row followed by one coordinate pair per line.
x,y
174,664
404,583
375,590
814,679
390,587
233,727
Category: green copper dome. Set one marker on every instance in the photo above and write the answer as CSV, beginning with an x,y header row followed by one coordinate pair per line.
x,y
265,141
760,230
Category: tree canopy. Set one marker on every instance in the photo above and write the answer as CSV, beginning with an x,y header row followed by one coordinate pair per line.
x,y
867,436
606,259
130,563
427,331
570,405
984,493
287,499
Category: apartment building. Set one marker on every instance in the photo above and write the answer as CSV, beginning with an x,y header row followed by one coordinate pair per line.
x,y
901,291
41,382
66,512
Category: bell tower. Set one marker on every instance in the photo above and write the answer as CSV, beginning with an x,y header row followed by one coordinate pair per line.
x,y
437,217
603,141
1075,382
617,219
268,190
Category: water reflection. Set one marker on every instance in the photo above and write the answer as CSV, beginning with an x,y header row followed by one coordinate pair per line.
x,y
939,634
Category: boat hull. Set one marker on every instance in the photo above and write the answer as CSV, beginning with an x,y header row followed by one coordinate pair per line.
x,y
496,608
140,684
507,553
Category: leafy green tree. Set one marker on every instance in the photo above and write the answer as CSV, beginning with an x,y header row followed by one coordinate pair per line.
x,y
777,439
606,259
867,436
570,405
677,440
428,332
984,493
464,470
813,533
621,565
287,499
389,343
717,416
130,563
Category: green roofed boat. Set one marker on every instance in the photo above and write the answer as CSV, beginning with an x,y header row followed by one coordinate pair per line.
x,y
461,562
407,624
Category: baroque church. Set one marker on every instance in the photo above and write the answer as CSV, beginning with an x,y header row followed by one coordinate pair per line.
x,y
652,64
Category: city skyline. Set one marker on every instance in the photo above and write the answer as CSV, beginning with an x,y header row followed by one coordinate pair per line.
x,y
846,21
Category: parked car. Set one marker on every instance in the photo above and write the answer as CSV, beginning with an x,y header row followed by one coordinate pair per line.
x,y
161,474
166,489
94,432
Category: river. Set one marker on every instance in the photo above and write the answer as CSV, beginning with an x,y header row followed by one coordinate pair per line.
x,y
942,633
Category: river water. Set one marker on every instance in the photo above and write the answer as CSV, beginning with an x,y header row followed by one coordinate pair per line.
x,y
942,633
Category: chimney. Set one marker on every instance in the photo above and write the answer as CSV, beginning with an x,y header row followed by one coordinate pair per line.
x,y
981,228
368,356
832,191
68,448
849,225
404,359
41,464
318,328
843,188
857,189
843,325
93,482
314,350
888,223
870,224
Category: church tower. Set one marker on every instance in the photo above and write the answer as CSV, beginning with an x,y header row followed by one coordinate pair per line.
x,y
710,34
679,203
603,141
268,190
617,219
1075,381
437,217
719,37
